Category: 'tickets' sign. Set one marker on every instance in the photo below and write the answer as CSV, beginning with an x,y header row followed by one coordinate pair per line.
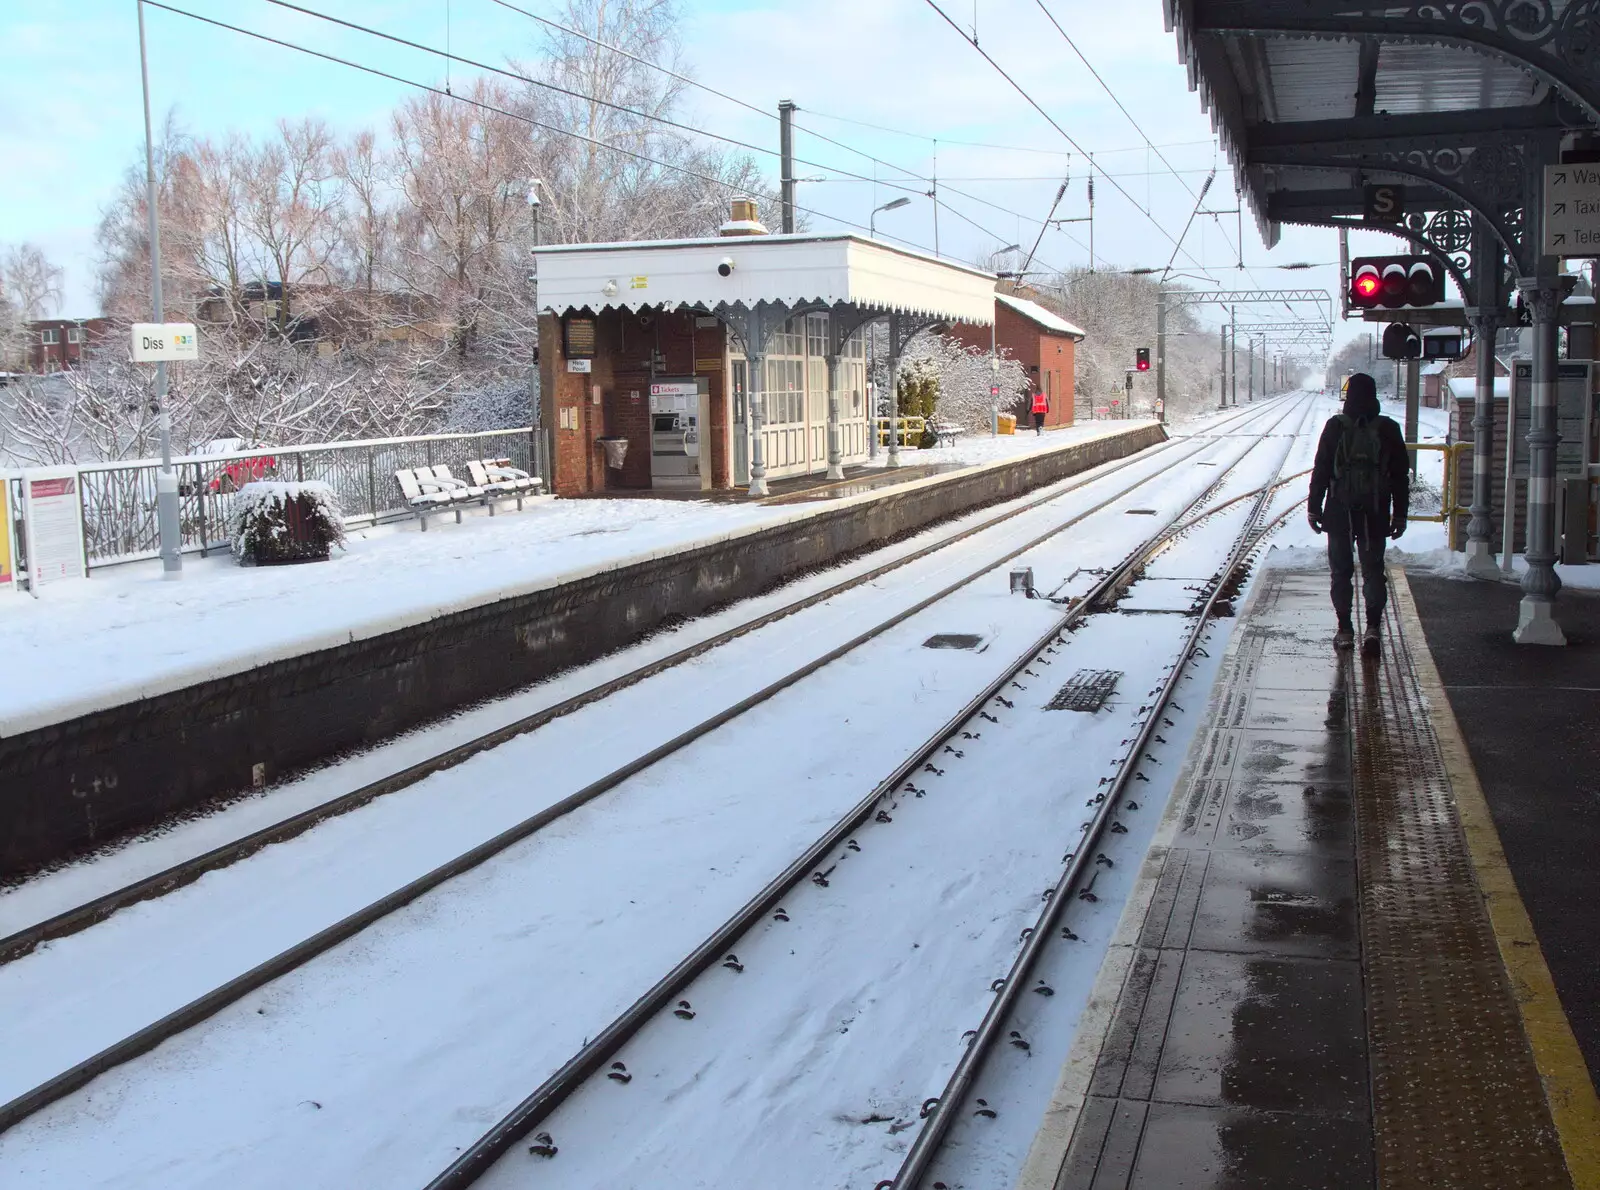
x,y
54,521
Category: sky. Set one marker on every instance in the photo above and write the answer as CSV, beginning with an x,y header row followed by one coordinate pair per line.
x,y
71,117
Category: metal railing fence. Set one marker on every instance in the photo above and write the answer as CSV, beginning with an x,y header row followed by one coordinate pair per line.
x,y
119,499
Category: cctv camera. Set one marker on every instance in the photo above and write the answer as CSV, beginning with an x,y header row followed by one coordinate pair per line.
x,y
725,267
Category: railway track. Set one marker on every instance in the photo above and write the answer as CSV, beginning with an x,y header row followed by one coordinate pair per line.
x,y
1000,1021
296,956
90,912
599,1057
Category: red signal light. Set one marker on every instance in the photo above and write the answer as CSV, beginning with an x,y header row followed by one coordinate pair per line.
x,y
1141,359
1367,285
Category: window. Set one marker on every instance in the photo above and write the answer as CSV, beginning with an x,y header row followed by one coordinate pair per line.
x,y
75,334
50,336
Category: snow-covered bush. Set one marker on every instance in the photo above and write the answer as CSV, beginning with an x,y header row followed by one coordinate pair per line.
x,y
275,522
961,378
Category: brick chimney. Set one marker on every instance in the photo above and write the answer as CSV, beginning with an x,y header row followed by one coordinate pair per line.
x,y
743,221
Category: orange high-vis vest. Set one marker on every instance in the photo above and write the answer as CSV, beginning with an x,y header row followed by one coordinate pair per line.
x,y
1040,403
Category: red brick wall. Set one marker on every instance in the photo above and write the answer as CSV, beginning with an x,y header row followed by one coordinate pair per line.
x,y
1039,352
578,466
626,344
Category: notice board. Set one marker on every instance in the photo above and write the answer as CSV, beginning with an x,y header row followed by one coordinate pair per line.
x,y
1573,386
54,520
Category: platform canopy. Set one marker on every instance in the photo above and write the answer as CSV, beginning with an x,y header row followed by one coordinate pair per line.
x,y
1454,106
743,272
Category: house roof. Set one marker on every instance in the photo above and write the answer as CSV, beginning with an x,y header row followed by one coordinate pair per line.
x,y
1036,313
1435,368
794,270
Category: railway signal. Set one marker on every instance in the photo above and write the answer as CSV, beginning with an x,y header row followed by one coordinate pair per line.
x,y
1395,281
1401,342
1141,359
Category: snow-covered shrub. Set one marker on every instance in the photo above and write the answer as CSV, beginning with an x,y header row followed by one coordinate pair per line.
x,y
275,522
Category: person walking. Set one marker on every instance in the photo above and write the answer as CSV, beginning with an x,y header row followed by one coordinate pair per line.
x,y
1041,406
1360,490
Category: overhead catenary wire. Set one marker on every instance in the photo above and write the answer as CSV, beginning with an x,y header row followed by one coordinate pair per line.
x,y
1051,120
761,111
679,125
489,107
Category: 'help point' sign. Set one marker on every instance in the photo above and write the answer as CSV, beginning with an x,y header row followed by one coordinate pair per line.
x,y
156,341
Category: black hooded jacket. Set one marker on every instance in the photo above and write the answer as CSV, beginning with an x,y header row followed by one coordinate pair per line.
x,y
1361,403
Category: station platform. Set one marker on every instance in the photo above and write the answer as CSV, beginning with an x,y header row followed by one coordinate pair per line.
x,y
1325,977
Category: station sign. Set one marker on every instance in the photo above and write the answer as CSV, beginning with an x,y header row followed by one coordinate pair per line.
x,y
677,388
154,342
1384,203
1572,210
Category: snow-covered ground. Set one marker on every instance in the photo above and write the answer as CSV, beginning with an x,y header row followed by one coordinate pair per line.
x,y
370,1066
125,634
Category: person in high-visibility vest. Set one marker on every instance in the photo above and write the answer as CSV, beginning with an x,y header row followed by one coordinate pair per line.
x,y
1041,406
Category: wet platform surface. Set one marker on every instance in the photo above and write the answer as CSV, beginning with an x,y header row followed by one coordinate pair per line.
x,y
1312,997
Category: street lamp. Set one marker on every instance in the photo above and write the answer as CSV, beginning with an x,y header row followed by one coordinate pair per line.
x,y
533,206
167,512
894,204
994,353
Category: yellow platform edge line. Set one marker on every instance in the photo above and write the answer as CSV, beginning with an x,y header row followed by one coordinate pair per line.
x,y
1574,1106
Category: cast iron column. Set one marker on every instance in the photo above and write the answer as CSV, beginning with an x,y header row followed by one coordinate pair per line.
x,y
835,453
756,397
1536,623
1486,279
895,347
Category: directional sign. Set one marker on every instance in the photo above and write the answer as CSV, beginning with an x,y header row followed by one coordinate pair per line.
x,y
1572,210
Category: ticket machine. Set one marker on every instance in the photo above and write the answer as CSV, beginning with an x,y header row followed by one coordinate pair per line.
x,y
677,414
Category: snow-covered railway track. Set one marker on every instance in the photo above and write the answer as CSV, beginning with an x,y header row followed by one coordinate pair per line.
x,y
676,995
186,1015
21,941
1014,1016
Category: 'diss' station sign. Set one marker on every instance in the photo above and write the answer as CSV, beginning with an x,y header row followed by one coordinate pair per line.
x,y
157,341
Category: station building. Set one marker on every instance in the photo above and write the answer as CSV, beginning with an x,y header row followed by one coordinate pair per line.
x,y
1043,342
725,361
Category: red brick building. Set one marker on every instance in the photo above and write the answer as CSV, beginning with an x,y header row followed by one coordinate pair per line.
x,y
1044,343
55,344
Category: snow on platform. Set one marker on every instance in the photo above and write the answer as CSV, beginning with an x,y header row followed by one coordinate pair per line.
x,y
126,634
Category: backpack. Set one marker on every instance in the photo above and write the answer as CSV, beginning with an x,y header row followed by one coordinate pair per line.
x,y
1358,477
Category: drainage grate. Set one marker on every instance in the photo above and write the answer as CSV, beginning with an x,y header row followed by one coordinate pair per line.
x,y
1086,690
1141,512
952,640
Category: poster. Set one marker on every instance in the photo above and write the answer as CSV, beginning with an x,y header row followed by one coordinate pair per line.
x,y
8,573
54,520
1573,386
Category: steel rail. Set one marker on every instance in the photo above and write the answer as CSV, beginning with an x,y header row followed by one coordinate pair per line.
x,y
475,1161
143,1040
937,1112
70,921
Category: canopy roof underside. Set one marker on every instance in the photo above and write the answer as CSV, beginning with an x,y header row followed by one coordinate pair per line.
x,y
1270,70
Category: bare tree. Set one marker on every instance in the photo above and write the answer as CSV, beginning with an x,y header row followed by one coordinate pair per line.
x,y
291,195
30,287
605,184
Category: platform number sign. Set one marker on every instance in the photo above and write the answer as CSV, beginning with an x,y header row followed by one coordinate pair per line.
x,y
1384,203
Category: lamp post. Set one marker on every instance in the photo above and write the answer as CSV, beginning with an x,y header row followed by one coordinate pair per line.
x,y
893,204
166,478
994,354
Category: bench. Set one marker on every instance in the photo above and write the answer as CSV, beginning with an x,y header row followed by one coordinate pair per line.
x,y
947,432
500,482
424,494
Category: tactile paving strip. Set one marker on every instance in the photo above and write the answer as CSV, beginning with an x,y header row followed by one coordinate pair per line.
x,y
1457,1100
